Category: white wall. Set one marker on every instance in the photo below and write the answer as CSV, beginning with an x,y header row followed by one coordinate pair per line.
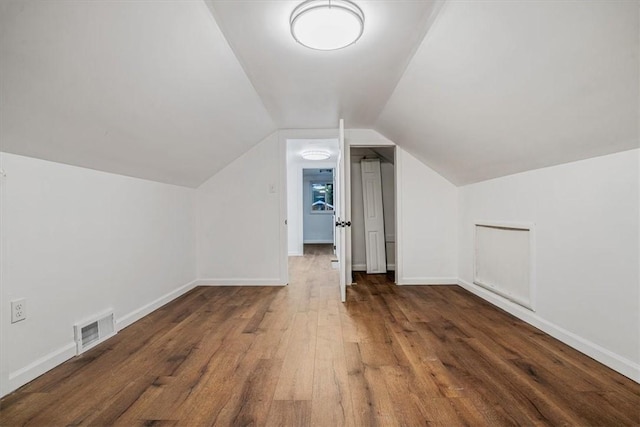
x,y
76,242
366,138
239,236
427,241
586,218
358,249
295,223
317,226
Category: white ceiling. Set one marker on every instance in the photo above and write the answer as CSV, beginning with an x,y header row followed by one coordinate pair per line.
x,y
501,87
147,89
304,88
174,90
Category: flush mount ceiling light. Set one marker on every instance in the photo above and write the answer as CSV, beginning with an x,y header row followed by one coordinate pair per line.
x,y
315,155
327,24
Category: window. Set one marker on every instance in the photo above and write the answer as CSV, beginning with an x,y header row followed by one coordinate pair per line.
x,y
321,196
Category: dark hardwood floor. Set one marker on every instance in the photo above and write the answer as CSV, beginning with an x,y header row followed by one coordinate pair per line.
x,y
296,356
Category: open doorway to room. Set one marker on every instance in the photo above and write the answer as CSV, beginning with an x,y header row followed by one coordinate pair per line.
x,y
310,190
373,211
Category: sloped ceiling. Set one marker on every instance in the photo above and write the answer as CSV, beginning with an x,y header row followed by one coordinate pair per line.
x,y
173,91
139,88
502,87
305,88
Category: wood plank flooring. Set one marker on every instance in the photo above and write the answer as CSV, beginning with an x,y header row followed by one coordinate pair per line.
x,y
296,356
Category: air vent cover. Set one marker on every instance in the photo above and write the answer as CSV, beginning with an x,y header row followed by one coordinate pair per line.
x,y
92,332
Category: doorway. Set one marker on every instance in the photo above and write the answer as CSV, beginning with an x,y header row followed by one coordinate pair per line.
x,y
309,212
385,156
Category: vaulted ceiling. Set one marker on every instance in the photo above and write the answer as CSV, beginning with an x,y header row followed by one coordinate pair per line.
x,y
502,87
304,88
143,88
173,91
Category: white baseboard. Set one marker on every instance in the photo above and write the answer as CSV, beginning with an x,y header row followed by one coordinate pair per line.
x,y
616,362
363,267
239,282
146,309
295,253
38,367
49,361
427,281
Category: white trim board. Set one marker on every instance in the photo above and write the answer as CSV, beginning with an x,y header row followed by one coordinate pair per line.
x,y
22,376
317,242
427,281
397,203
363,267
616,362
147,309
240,282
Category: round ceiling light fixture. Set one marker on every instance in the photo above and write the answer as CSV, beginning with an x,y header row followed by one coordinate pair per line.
x,y
327,24
315,155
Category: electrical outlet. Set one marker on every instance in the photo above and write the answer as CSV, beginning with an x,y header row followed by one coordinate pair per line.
x,y
18,310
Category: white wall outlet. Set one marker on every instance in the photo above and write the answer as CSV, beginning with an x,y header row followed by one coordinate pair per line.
x,y
18,310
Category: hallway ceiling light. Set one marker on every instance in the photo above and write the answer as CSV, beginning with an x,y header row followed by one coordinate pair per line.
x,y
327,24
315,155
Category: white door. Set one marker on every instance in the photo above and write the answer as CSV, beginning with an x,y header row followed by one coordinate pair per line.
x,y
342,220
373,216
